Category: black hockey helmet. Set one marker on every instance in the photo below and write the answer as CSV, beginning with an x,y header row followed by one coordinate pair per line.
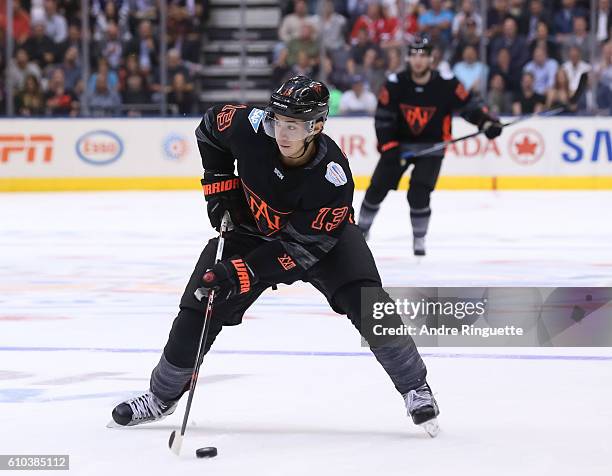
x,y
420,44
301,98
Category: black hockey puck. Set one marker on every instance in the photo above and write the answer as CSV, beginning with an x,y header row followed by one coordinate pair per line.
x,y
208,452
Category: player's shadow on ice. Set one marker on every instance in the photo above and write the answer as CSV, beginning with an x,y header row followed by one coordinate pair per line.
x,y
411,431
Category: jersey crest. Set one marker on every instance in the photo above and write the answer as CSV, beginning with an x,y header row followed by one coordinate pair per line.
x,y
335,174
269,220
417,117
255,117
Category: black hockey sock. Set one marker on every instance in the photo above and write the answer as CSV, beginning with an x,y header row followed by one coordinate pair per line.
x,y
420,221
168,382
402,362
367,213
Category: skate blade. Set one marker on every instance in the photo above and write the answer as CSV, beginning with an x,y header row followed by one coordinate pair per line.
x,y
113,424
431,427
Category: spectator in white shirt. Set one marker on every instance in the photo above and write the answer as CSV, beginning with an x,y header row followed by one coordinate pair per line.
x,y
468,11
602,28
292,24
56,26
574,67
358,99
332,26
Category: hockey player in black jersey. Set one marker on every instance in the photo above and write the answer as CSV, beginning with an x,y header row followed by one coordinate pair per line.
x,y
415,111
290,205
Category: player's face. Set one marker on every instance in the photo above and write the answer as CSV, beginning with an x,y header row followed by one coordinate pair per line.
x,y
288,132
290,135
420,62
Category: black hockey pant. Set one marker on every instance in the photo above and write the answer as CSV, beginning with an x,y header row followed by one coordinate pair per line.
x,y
389,171
340,275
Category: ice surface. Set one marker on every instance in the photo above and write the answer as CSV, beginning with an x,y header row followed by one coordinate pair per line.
x,y
89,284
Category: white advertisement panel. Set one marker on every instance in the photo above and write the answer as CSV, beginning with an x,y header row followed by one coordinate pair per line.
x,y
98,148
552,146
133,148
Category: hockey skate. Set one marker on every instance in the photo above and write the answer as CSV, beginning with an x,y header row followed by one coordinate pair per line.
x,y
418,246
145,408
423,409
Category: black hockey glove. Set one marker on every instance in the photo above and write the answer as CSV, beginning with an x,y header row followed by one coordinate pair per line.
x,y
491,127
223,192
229,278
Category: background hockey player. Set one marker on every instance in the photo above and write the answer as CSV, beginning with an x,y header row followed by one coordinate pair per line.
x,y
290,205
414,111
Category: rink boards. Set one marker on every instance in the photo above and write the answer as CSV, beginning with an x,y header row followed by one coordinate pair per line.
x,y
161,154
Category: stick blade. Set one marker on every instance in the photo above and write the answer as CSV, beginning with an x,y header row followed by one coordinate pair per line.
x,y
175,442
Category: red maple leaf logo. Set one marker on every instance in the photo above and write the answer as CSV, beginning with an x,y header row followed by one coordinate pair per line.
x,y
526,147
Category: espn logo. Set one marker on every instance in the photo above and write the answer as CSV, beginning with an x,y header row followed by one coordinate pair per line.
x,y
32,148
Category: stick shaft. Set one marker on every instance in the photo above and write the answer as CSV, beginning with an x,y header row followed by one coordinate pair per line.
x,y
204,334
443,145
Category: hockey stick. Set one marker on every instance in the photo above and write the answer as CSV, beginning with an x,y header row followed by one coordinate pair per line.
x,y
176,440
580,90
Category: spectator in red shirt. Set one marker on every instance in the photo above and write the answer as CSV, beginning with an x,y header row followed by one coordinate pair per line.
x,y
59,100
21,21
373,22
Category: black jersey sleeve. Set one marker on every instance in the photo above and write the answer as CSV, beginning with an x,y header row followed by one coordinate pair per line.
x,y
309,235
469,105
213,136
386,118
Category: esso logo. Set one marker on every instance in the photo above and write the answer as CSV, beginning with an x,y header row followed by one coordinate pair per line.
x,y
99,147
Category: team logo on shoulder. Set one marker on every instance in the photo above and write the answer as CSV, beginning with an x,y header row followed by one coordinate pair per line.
x,y
255,117
335,174
226,116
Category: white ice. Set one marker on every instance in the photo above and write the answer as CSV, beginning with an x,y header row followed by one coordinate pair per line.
x,y
89,285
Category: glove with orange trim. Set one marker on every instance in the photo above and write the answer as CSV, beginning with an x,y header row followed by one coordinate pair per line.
x,y
229,278
223,192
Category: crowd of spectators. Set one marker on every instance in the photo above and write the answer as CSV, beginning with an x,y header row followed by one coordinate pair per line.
x,y
46,69
534,50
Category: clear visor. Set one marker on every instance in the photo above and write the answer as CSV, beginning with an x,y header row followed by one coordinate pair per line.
x,y
419,52
287,129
